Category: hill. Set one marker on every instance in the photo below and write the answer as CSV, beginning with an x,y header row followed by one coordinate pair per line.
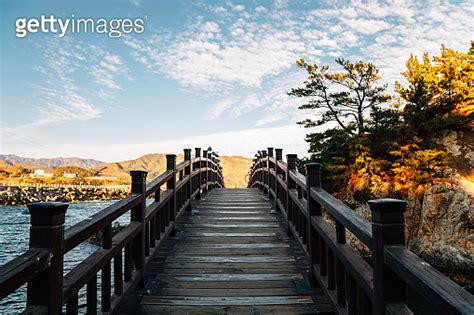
x,y
48,163
235,168
153,163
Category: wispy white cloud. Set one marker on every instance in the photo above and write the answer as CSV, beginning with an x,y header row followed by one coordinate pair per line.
x,y
242,52
136,2
71,86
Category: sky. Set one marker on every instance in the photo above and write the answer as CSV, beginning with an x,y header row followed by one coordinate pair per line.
x,y
203,73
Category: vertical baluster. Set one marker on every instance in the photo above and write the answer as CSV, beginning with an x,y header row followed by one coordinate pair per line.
x,y
364,304
147,239
340,269
331,269
152,235
264,171
198,175
166,213
187,172
205,166
269,176
278,157
298,214
159,215
290,184
128,266
323,257
351,295
106,270
210,173
47,231
118,279
92,295
72,305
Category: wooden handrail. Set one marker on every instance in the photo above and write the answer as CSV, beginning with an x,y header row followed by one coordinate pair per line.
x,y
23,268
129,252
442,292
353,285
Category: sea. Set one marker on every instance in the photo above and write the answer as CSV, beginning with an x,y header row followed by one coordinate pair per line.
x,y
14,238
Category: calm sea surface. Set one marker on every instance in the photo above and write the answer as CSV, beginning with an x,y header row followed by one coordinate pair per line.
x,y
14,237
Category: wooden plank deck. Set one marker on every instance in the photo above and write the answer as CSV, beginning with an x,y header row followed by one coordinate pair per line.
x,y
231,255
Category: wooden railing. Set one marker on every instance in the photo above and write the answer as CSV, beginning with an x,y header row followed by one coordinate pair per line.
x,y
353,285
128,252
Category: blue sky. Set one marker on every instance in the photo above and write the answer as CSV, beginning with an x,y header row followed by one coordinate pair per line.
x,y
203,73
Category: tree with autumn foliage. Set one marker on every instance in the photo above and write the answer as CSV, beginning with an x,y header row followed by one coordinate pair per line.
x,y
374,147
343,98
440,92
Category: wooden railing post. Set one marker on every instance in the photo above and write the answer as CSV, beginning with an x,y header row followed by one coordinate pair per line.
x,y
387,229
47,231
278,157
313,179
138,215
209,172
197,167
213,174
171,184
290,184
264,173
269,176
205,177
187,172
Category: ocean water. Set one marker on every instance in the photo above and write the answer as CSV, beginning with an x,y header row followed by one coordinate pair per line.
x,y
14,238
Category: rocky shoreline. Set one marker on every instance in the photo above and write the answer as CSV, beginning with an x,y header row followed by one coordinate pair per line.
x,y
24,195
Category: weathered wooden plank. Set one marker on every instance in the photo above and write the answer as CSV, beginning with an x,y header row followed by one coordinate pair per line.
x,y
232,277
231,254
236,310
263,284
228,292
232,259
223,300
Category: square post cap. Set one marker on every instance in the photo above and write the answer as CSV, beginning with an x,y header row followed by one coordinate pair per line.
x,y
138,175
187,154
387,210
313,168
279,154
47,213
291,161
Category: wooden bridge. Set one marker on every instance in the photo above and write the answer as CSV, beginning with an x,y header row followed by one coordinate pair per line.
x,y
277,247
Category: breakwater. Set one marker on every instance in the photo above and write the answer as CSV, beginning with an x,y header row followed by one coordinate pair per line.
x,y
24,194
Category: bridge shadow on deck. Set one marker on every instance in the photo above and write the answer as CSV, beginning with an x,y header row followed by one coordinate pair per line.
x,y
231,255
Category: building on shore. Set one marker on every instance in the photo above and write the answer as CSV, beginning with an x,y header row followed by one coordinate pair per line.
x,y
41,174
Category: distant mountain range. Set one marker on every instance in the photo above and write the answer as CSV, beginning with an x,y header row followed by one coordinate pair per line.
x,y
235,167
15,160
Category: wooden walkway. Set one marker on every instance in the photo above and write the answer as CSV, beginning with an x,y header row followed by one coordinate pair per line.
x,y
231,255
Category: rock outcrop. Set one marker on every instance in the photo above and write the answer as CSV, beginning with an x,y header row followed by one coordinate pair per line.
x,y
25,195
440,228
